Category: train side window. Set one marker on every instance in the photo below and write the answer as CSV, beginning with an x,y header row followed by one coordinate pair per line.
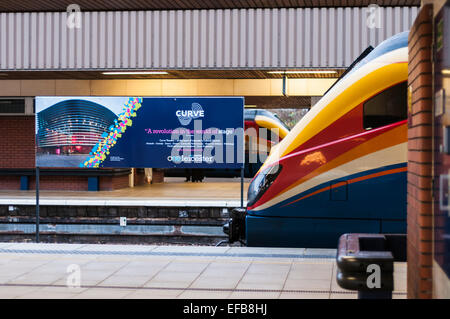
x,y
386,107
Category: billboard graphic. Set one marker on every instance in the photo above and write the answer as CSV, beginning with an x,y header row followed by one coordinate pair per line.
x,y
159,132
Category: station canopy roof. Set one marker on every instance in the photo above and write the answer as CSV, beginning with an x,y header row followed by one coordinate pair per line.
x,y
332,68
107,5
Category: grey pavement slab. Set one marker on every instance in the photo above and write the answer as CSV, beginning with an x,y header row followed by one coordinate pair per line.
x,y
134,271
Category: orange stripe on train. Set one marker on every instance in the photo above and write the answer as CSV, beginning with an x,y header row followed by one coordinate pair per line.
x,y
351,181
394,136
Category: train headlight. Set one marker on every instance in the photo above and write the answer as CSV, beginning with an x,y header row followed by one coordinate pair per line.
x,y
261,183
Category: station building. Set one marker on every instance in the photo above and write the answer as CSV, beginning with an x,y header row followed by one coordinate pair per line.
x,y
276,54
202,48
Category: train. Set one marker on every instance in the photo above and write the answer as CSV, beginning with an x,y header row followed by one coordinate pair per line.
x,y
342,168
257,146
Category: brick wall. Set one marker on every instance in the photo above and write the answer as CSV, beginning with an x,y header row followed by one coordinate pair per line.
x,y
109,183
17,142
16,147
139,177
9,183
60,183
17,150
158,176
65,183
419,246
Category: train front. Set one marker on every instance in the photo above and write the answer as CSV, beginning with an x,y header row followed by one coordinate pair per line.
x,y
342,168
235,228
276,131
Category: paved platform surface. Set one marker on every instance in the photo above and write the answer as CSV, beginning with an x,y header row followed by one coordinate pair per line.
x,y
174,192
30,270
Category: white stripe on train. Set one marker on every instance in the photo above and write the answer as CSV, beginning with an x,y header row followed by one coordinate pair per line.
x,y
389,156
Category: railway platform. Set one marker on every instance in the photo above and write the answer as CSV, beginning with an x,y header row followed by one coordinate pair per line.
x,y
50,271
213,192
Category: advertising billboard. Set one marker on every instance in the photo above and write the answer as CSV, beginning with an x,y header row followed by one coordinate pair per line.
x,y
158,132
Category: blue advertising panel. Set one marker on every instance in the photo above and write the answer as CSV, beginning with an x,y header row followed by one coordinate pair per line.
x,y
158,132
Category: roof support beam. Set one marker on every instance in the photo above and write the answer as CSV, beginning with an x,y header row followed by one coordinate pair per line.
x,y
166,87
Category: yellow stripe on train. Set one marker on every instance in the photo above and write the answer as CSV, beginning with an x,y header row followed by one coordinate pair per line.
x,y
342,99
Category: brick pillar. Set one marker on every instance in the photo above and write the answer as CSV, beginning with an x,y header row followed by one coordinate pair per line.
x,y
419,244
